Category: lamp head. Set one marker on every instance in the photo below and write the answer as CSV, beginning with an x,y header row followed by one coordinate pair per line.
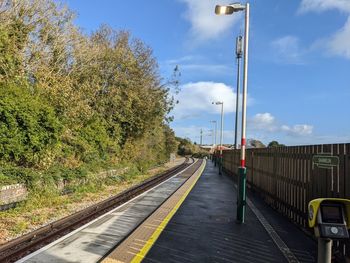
x,y
228,9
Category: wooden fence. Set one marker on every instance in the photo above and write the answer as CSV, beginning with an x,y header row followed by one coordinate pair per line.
x,y
287,179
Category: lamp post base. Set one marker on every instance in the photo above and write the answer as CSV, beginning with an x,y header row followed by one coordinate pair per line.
x,y
241,194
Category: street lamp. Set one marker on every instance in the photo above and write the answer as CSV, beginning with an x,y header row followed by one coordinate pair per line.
x,y
211,134
221,132
229,9
242,170
238,57
215,137
215,128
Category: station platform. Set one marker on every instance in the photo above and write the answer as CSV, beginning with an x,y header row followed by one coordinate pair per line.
x,y
204,229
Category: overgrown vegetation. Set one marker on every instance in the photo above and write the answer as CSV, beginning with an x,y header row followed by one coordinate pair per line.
x,y
72,104
275,144
187,148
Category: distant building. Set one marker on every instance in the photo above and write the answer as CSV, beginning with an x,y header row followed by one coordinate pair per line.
x,y
213,148
206,147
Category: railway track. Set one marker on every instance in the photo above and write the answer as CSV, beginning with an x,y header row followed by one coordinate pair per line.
x,y
20,247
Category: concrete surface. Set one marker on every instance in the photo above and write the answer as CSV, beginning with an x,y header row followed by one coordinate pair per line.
x,y
204,229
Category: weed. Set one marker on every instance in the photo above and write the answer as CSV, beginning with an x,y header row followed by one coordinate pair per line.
x,y
20,227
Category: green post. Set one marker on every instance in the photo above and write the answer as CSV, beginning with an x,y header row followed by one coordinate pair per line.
x,y
241,194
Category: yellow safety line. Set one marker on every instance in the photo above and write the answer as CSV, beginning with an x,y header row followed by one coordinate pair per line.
x,y
143,252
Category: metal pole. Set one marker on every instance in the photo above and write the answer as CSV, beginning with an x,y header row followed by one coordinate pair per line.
x,y
242,172
238,56
221,135
324,254
212,141
216,131
216,128
212,137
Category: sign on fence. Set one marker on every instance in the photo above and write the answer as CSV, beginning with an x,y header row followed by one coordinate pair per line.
x,y
325,161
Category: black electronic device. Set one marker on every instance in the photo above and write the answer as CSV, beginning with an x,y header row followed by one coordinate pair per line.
x,y
331,221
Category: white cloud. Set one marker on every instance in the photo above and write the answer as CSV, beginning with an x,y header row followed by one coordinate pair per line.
x,y
287,50
205,24
263,121
298,130
262,126
323,5
196,99
338,43
266,122
193,133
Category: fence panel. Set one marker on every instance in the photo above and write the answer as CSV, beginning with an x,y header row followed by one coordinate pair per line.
x,y
287,179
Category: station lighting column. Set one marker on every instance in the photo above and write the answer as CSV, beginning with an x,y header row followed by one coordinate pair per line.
x,y
211,134
221,132
215,128
238,57
215,136
242,170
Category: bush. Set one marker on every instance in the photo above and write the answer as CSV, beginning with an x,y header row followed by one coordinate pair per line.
x,y
200,155
10,175
28,126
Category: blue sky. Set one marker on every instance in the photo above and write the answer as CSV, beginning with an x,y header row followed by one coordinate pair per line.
x,y
299,63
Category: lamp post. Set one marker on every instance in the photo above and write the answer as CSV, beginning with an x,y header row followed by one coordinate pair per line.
x,y
242,171
221,132
215,136
238,57
215,128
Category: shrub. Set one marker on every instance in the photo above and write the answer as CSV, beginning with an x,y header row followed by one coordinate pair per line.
x,y
28,126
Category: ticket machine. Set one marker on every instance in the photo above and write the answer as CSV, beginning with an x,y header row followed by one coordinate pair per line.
x,y
330,219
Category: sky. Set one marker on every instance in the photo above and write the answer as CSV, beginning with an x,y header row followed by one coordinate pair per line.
x,y
298,65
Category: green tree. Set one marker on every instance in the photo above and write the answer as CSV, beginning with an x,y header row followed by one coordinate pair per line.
x,y
29,127
256,143
275,144
72,99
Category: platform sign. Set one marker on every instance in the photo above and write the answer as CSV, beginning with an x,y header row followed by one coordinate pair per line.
x,y
325,161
